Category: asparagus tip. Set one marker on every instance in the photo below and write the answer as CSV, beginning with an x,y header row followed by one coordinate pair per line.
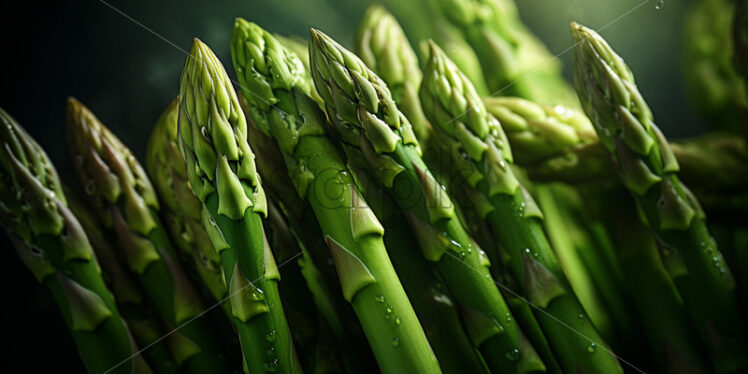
x,y
579,32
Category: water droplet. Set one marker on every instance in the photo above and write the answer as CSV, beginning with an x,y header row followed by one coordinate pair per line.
x,y
512,355
398,321
204,132
395,342
271,336
379,299
508,317
580,316
257,295
592,348
659,4
535,254
389,309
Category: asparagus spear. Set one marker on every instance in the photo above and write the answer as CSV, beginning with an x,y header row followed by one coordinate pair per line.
x,y
664,320
221,170
382,45
433,302
126,203
559,227
51,242
136,311
649,171
483,160
181,209
427,23
301,281
537,132
315,261
282,107
470,198
514,61
377,136
558,144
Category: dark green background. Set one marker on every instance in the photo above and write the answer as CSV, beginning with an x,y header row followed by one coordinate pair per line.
x,y
127,75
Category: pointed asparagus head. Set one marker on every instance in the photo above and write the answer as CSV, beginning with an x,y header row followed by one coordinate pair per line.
x,y
539,131
623,121
625,125
476,12
109,172
33,204
213,136
268,69
454,107
30,190
264,65
358,101
382,45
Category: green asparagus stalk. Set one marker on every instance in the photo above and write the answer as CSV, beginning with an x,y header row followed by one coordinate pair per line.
x,y
712,83
649,170
181,209
558,227
483,158
558,144
280,104
315,260
378,137
301,282
221,170
136,311
537,132
648,280
514,61
433,302
382,45
126,204
51,242
427,23
459,50
468,197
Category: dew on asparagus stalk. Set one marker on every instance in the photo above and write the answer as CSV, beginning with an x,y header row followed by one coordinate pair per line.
x,y
364,270
592,348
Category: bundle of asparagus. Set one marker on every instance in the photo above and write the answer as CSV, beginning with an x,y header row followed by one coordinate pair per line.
x,y
362,213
